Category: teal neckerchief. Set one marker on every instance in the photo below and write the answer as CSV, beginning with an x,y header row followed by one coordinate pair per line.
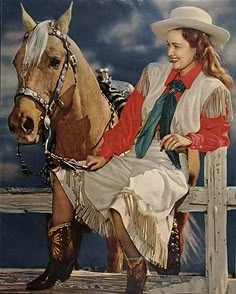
x,y
161,113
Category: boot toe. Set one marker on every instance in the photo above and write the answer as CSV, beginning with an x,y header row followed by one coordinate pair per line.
x,y
38,284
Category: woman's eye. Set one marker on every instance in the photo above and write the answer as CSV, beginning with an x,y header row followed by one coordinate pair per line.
x,y
54,62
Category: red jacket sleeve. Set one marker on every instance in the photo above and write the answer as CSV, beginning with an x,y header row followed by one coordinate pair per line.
x,y
122,136
213,134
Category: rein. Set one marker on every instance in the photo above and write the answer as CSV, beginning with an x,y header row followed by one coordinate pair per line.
x,y
49,107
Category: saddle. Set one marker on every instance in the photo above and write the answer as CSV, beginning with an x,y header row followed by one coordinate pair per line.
x,y
115,91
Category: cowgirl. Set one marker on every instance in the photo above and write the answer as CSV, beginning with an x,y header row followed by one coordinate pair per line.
x,y
177,109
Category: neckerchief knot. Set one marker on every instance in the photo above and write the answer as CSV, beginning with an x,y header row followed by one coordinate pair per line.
x,y
177,86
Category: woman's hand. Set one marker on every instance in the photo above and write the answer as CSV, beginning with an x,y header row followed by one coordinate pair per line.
x,y
95,162
175,142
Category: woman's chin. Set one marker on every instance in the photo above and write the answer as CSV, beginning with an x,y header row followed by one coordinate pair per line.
x,y
175,65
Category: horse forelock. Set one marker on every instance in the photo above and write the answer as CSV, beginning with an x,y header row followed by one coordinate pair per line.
x,y
35,46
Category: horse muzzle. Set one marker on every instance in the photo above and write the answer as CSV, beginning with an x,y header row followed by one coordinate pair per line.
x,y
24,128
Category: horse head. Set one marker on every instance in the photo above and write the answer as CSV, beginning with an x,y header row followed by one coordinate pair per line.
x,y
39,65
53,86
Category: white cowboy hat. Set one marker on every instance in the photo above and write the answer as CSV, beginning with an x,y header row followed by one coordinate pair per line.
x,y
190,17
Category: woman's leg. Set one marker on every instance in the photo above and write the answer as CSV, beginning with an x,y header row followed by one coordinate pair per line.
x,y
136,265
127,244
62,209
63,242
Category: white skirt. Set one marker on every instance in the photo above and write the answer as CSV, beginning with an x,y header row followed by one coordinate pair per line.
x,y
144,192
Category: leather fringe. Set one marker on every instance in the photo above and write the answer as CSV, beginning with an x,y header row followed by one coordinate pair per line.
x,y
143,84
141,228
218,103
84,209
143,232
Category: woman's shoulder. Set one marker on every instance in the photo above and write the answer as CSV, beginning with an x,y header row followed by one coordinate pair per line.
x,y
153,73
158,67
158,71
208,86
217,98
211,83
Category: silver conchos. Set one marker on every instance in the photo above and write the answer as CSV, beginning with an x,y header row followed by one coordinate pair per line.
x,y
48,107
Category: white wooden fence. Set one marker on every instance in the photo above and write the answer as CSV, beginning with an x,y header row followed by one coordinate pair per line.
x,y
214,199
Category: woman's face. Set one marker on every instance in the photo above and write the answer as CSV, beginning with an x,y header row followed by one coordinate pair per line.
x,y
180,52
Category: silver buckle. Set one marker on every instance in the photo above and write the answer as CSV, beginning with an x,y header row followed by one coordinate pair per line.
x,y
73,60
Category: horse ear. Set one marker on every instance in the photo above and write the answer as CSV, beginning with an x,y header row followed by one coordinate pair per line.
x,y
62,24
28,22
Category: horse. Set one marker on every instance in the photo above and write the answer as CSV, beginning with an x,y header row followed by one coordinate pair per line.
x,y
59,90
57,84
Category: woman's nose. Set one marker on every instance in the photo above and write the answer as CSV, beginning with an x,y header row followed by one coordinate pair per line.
x,y
170,51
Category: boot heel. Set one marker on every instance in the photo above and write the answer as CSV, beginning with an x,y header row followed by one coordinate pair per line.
x,y
67,275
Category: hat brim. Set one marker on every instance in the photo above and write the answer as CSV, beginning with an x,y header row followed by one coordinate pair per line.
x,y
218,35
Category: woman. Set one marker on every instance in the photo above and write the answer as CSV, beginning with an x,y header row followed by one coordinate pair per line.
x,y
131,187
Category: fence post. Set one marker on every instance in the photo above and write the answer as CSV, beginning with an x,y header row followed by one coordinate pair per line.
x,y
216,221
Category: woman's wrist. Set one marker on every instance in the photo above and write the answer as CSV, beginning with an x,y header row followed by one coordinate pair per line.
x,y
190,139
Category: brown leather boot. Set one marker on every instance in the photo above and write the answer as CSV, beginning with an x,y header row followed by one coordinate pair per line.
x,y
62,257
136,275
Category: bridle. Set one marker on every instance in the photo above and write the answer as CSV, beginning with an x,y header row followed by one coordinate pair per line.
x,y
70,59
49,107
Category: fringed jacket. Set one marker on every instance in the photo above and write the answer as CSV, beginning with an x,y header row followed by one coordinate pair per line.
x,y
201,114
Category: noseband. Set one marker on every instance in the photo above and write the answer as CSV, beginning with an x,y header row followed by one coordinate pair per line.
x,y
70,59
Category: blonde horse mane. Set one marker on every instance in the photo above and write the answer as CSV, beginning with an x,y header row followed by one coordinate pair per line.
x,y
35,46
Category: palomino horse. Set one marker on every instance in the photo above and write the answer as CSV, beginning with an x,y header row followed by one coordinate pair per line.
x,y
58,90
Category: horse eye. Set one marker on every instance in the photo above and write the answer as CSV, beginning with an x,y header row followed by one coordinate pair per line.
x,y
54,62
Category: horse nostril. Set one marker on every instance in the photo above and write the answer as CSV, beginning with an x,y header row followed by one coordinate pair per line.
x,y
27,125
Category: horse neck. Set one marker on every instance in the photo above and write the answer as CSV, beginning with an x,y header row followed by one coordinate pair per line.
x,y
87,86
84,123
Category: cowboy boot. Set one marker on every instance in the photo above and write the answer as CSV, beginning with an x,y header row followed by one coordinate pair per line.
x,y
62,255
78,230
136,275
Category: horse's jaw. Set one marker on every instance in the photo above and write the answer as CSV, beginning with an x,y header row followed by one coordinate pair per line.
x,y
27,140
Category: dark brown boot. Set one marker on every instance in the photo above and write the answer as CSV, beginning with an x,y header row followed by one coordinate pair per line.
x,y
136,275
62,258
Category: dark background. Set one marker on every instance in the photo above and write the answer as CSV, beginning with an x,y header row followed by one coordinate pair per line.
x,y
113,34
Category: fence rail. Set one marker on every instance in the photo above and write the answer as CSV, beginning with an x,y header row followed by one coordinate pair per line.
x,y
215,198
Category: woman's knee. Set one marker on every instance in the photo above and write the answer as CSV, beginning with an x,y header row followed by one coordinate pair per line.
x,y
118,222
